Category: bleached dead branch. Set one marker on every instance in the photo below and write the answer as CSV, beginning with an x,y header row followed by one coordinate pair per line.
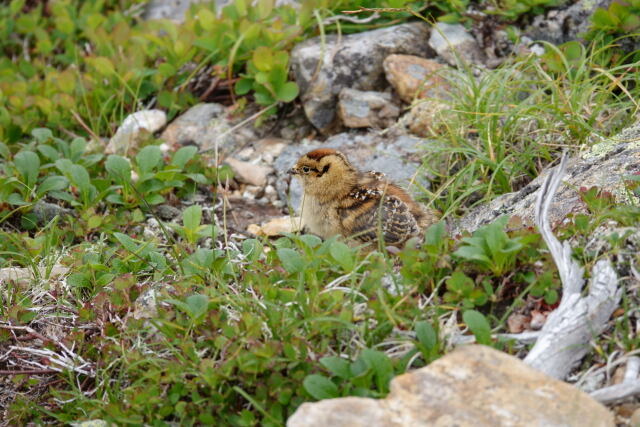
x,y
564,339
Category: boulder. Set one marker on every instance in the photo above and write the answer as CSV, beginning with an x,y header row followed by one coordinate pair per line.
x,y
414,77
472,386
360,109
558,26
201,125
323,68
605,165
453,43
249,173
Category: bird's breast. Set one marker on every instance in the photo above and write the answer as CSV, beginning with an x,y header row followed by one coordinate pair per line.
x,y
319,218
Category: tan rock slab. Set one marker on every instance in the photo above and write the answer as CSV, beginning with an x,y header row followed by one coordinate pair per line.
x,y
473,386
248,172
275,226
415,77
366,109
18,274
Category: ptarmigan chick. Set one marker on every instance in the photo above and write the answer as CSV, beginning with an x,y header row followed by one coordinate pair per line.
x,y
362,206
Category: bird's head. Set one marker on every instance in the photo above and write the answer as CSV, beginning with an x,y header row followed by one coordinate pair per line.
x,y
324,172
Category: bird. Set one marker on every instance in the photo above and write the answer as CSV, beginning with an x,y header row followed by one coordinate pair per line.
x,y
363,207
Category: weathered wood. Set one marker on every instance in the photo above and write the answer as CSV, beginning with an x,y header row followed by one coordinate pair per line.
x,y
564,339
630,385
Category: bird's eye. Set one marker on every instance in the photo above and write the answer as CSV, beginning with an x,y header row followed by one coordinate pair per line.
x,y
306,169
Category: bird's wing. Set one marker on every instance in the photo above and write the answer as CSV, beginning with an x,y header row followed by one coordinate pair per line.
x,y
385,215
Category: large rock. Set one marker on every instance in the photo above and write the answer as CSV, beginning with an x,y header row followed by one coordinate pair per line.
x,y
175,10
414,77
604,166
206,125
396,156
353,61
424,119
558,26
472,386
453,43
367,109
201,125
249,173
134,129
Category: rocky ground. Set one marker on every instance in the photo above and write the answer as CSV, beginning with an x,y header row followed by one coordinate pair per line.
x,y
376,96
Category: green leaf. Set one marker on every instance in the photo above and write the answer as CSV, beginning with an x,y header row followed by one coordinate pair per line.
x,y
435,234
337,366
80,177
243,86
103,65
16,199
310,240
77,148
287,92
28,165
52,183
154,199
291,260
630,23
478,325
127,242
602,19
118,168
207,19
263,58
42,134
264,8
252,249
381,366
49,152
191,217
4,151
320,387
183,155
241,7
148,158
459,282
472,253
342,254
426,334
198,305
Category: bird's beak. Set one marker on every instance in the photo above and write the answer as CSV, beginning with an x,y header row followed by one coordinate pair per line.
x,y
292,171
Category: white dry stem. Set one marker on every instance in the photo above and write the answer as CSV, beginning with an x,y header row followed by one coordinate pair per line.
x,y
629,386
565,337
65,360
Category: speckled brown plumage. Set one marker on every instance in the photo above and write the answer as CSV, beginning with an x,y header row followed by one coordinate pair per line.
x,y
362,206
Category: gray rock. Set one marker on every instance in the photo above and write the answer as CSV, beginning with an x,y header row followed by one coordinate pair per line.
x,y
167,212
472,386
175,10
367,109
249,173
45,211
203,125
396,156
558,26
354,61
604,166
134,129
453,43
